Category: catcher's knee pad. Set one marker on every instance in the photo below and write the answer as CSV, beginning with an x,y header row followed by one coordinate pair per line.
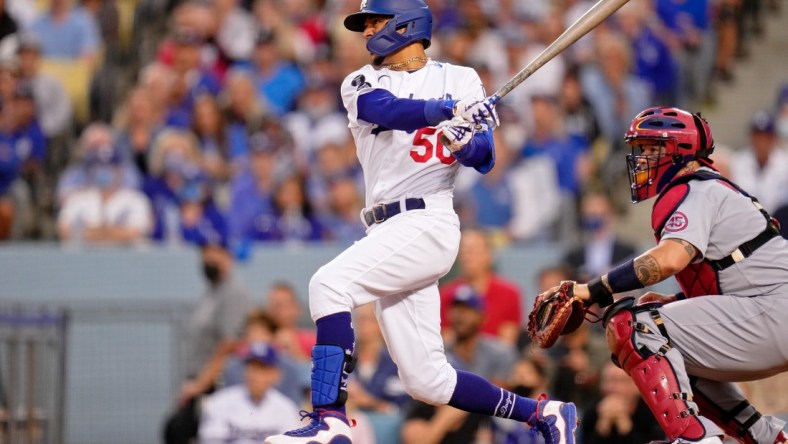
x,y
331,365
653,374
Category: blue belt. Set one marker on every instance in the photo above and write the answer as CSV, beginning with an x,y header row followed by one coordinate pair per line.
x,y
381,212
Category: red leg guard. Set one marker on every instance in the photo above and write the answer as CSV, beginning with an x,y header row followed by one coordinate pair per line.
x,y
730,426
655,378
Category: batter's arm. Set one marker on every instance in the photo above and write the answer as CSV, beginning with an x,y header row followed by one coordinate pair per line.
x,y
383,108
666,259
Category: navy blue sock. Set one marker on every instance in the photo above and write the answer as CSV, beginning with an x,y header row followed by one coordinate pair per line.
x,y
477,395
337,329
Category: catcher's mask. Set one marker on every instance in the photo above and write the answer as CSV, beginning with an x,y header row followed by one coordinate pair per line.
x,y
410,21
663,140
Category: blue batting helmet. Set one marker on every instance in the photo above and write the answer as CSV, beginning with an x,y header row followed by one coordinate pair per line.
x,y
412,15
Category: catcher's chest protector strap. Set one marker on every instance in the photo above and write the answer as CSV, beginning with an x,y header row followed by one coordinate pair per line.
x,y
654,376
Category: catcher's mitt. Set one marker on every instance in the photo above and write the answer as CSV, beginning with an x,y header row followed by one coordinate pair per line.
x,y
555,314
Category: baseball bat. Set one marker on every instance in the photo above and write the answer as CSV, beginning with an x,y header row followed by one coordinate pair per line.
x,y
593,17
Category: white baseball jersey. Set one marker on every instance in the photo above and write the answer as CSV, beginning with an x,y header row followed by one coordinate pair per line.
x,y
230,416
398,164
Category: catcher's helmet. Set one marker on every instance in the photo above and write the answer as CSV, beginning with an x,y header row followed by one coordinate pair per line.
x,y
684,137
413,15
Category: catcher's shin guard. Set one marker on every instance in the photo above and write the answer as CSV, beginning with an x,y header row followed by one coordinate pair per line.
x,y
654,376
727,420
331,365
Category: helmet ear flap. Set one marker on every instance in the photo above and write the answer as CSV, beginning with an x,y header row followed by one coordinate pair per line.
x,y
705,146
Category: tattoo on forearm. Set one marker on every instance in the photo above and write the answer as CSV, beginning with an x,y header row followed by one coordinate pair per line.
x,y
688,247
647,270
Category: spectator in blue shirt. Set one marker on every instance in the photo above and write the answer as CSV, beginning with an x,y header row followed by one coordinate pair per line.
x,y
343,224
279,81
292,219
67,32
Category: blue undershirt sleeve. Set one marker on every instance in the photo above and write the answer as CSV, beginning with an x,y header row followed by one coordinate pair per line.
x,y
479,153
382,108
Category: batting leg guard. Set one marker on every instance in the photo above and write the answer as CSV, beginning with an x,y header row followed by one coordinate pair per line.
x,y
653,374
331,365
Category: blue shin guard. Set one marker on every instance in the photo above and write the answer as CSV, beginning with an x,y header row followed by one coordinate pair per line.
x,y
331,365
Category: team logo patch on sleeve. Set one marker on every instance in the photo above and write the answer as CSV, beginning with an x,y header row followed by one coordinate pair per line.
x,y
360,82
677,222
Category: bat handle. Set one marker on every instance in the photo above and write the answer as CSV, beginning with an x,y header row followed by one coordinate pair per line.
x,y
494,99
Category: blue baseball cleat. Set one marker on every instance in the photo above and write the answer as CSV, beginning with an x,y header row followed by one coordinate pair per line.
x,y
326,427
556,421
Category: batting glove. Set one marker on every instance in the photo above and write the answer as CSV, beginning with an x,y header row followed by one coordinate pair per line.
x,y
457,134
476,111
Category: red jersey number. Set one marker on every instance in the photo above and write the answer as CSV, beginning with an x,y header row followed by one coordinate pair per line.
x,y
426,144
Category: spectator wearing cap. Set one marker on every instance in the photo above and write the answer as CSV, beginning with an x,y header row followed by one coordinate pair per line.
x,y
94,138
53,106
253,411
502,312
279,81
105,211
210,335
68,32
760,169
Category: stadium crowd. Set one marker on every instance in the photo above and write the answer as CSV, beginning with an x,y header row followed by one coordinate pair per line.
x,y
229,132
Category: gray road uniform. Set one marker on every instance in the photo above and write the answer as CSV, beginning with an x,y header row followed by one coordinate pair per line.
x,y
729,326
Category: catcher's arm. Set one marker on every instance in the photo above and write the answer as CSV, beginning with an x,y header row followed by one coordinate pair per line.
x,y
666,259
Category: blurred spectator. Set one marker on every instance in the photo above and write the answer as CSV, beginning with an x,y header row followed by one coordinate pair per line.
x,y
727,25
191,79
292,219
180,193
261,327
427,424
68,32
343,224
613,91
580,357
652,57
106,15
579,118
477,279
760,169
244,115
600,247
490,197
468,348
781,115
249,412
331,162
105,211
8,24
529,378
692,37
236,30
94,137
279,81
534,185
620,415
284,307
374,384
209,127
199,19
550,139
317,119
210,336
158,80
139,123
53,105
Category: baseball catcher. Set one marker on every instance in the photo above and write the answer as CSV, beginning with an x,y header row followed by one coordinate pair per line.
x,y
684,351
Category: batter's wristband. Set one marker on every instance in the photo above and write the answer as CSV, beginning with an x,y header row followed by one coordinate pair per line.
x,y
598,293
623,278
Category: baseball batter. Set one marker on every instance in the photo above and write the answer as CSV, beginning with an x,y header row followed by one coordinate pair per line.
x,y
683,351
415,122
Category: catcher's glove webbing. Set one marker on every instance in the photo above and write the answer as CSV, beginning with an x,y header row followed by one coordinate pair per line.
x,y
555,314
